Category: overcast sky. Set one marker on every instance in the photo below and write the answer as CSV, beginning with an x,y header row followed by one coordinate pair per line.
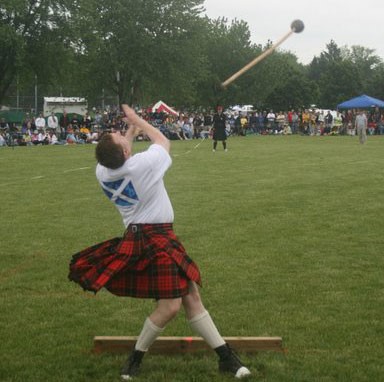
x,y
347,22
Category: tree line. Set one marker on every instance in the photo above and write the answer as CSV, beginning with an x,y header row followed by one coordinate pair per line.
x,y
141,51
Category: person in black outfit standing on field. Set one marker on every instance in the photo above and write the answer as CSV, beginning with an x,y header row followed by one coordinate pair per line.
x,y
219,132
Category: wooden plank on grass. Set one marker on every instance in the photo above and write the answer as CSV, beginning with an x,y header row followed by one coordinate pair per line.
x,y
177,345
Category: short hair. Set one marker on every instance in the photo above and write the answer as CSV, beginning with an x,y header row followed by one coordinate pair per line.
x,y
108,153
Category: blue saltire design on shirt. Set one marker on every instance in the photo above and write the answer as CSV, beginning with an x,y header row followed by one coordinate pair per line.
x,y
125,197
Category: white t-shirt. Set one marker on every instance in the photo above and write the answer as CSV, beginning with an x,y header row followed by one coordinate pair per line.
x,y
137,188
53,122
40,122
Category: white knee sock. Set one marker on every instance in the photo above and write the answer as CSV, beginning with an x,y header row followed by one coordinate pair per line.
x,y
148,335
203,325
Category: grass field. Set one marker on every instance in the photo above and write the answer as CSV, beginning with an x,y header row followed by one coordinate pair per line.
x,y
288,233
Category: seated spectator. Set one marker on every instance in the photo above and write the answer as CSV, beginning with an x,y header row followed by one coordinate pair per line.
x,y
75,121
27,139
197,126
84,133
43,137
2,140
187,129
94,137
371,128
205,132
52,139
71,137
35,138
174,131
351,129
287,129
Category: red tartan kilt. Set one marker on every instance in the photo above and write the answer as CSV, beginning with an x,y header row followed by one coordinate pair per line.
x,y
150,263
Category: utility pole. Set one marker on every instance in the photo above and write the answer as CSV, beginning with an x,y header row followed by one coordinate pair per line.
x,y
35,94
118,87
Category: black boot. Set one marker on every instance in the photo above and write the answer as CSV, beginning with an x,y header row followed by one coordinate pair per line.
x,y
229,362
132,366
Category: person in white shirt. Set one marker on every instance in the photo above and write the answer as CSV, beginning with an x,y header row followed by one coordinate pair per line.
x,y
53,123
149,261
40,122
361,123
2,140
52,138
43,137
271,118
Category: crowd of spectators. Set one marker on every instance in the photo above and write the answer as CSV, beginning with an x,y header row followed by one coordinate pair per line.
x,y
65,129
310,122
305,122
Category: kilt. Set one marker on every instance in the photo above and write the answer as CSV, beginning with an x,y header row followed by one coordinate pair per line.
x,y
148,262
219,134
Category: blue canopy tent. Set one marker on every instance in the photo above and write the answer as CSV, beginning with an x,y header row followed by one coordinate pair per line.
x,y
361,102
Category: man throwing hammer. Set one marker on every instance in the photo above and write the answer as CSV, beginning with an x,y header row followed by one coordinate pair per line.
x,y
149,261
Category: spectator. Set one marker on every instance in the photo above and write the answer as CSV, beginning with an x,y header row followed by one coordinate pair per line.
x,y
187,129
371,128
75,121
70,137
328,121
87,121
4,124
244,123
27,139
380,125
42,137
253,123
305,118
2,139
280,122
197,126
63,122
40,122
53,122
35,138
207,122
85,133
271,117
175,130
287,129
295,122
361,126
52,138
99,119
237,125
261,122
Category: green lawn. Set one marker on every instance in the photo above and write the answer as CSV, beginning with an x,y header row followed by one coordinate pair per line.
x,y
288,233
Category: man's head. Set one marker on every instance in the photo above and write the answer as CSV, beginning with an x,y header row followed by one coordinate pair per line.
x,y
113,150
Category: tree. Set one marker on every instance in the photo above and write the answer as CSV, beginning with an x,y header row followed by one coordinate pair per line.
x,y
225,48
365,62
295,92
141,50
31,41
337,77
